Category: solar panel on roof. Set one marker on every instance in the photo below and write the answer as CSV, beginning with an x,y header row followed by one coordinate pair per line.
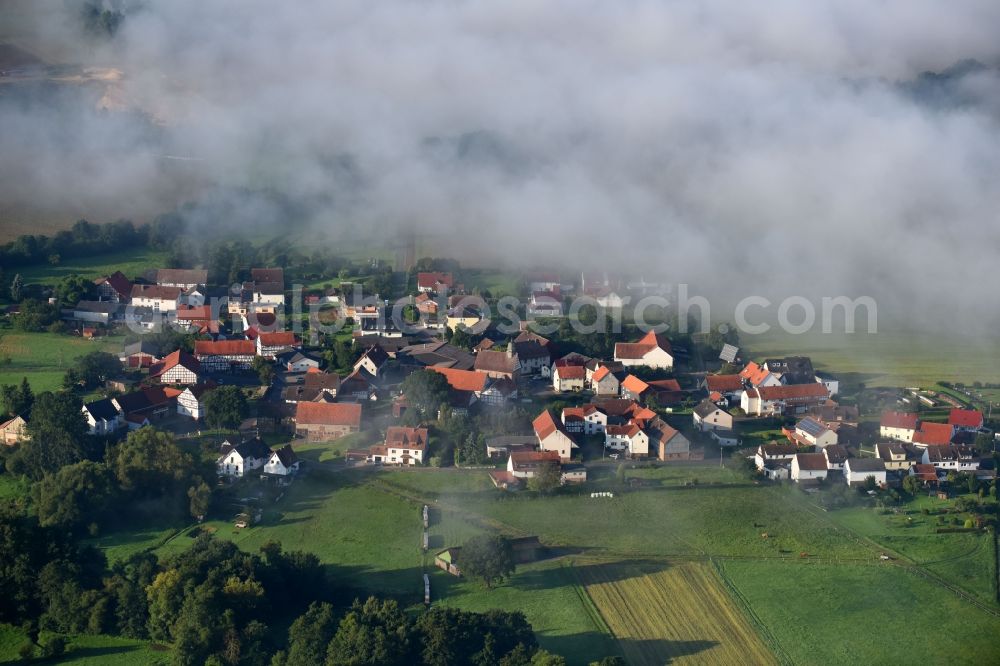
x,y
728,353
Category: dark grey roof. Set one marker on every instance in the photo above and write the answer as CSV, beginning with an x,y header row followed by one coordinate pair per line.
x,y
103,307
254,448
143,346
706,407
810,426
102,409
866,464
286,455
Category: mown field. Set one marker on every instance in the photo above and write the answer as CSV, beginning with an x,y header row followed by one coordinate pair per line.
x,y
86,650
887,358
862,614
672,613
44,357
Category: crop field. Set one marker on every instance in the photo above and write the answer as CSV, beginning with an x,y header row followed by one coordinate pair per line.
x,y
44,357
676,613
862,614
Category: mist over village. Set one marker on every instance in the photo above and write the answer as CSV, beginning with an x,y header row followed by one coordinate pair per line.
x,y
499,334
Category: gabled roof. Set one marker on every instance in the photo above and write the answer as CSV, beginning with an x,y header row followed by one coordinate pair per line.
x,y
278,339
933,434
637,350
155,291
225,348
706,408
286,455
175,358
571,372
865,464
141,347
431,280
102,409
495,361
181,276
924,472
811,461
965,418
545,424
835,453
254,448
723,383
754,373
463,380
268,275
634,385
953,453
323,413
904,420
793,392
811,426
664,384
406,438
601,373
529,457
118,282
376,355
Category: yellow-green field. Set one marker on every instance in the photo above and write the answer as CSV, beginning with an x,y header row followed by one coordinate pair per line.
x,y
44,357
672,613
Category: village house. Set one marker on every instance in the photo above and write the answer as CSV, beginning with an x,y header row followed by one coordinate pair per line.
x,y
225,355
190,402
665,392
544,304
93,312
605,382
808,467
933,434
14,431
357,386
147,405
628,437
552,436
667,441
268,287
499,392
373,361
836,456
498,364
296,361
895,455
811,432
898,425
831,412
157,298
178,367
432,282
321,421
181,278
238,461
438,353
115,288
587,419
857,471
103,417
758,376
525,464
926,474
775,460
544,282
532,355
405,446
782,400
270,345
315,385
568,378
198,319
723,388
967,420
283,463
652,351
951,458
141,354
633,388
709,416
467,386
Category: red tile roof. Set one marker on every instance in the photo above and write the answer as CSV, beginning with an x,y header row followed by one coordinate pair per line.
x,y
811,461
904,420
933,434
463,380
966,418
753,373
793,392
328,413
665,384
155,291
723,383
572,372
430,280
522,457
278,339
406,438
224,348
634,384
545,424
636,350
118,282
601,373
179,357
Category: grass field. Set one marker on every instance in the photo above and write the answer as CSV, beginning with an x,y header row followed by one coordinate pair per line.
x,y
887,358
88,650
636,567
44,357
132,262
676,613
862,614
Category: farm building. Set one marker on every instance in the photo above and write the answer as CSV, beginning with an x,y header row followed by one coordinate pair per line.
x,y
808,467
709,416
178,367
857,471
653,351
14,431
225,355
321,421
552,435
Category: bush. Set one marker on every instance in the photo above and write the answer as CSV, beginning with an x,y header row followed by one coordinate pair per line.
x,y
969,524
54,647
26,652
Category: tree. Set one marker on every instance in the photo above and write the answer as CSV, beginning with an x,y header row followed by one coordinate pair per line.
x,y
57,436
150,465
225,407
76,494
310,634
487,557
376,632
201,498
609,661
17,400
870,483
265,370
73,288
17,288
93,369
546,479
425,391
545,658
911,484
